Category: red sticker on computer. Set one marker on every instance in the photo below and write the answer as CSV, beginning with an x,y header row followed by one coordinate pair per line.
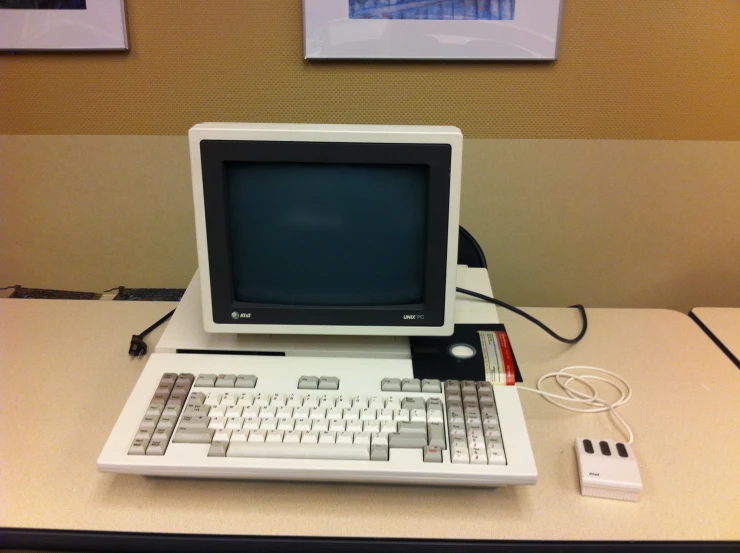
x,y
498,358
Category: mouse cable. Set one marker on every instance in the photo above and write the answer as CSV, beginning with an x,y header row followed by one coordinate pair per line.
x,y
564,378
138,345
530,318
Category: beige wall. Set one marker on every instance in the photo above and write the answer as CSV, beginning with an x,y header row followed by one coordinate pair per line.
x,y
610,176
603,222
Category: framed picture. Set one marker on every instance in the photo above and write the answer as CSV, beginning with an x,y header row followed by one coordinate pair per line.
x,y
431,29
62,25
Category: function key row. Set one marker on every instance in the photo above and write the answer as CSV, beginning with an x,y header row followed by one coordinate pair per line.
x,y
427,385
226,381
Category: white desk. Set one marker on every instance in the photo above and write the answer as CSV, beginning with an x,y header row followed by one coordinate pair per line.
x,y
722,325
65,375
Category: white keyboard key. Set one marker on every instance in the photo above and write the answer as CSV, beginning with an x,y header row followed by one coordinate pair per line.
x,y
393,403
371,426
286,424
337,425
310,438
478,457
217,411
354,426
277,400
257,436
267,413
253,411
320,425
435,415
344,402
476,444
418,415
367,415
379,439
327,438
239,436
345,438
251,423
317,413
388,427
303,425
234,412
359,402
326,401
284,413
294,400
262,400
460,455
229,399
269,424
245,399
492,432
362,438
496,457
376,402
222,436
219,423
302,412
335,413
292,437
274,436
311,401
234,423
212,399
304,450
351,414
402,415
385,415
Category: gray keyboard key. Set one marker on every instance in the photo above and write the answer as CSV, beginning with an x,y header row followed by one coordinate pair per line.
x,y
197,411
411,385
432,455
406,441
193,423
167,422
431,385
434,403
418,428
390,385
328,383
218,449
206,381
379,452
193,436
197,398
138,447
156,447
149,421
436,434
160,398
162,434
245,381
168,379
226,381
308,382
413,403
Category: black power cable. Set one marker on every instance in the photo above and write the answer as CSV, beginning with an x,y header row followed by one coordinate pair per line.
x,y
138,345
531,319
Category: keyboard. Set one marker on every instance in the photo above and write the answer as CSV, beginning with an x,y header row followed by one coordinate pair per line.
x,y
319,419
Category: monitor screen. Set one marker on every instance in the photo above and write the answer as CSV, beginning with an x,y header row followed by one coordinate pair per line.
x,y
326,229
318,234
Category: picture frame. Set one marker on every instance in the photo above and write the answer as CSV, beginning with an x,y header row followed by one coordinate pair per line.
x,y
432,29
63,25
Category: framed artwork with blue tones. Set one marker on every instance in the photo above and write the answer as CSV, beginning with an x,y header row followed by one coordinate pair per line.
x,y
63,25
431,29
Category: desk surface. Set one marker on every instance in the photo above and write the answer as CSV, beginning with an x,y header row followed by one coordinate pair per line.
x,y
65,376
722,324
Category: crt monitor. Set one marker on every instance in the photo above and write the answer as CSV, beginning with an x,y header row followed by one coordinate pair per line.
x,y
327,229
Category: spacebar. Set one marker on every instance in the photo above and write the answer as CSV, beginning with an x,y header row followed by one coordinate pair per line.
x,y
299,451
